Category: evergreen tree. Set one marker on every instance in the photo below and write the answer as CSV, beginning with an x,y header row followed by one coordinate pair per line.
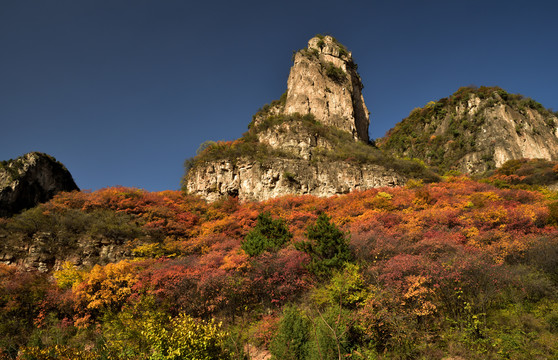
x,y
293,335
328,246
267,235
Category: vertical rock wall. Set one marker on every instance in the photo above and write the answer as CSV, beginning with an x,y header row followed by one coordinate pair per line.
x,y
324,82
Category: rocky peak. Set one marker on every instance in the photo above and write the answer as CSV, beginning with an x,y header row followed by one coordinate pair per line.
x,y
303,143
324,82
475,130
31,179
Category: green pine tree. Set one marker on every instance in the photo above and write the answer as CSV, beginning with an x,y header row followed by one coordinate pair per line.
x,y
267,235
293,335
328,246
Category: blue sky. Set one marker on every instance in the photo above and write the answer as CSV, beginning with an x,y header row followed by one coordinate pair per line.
x,y
122,92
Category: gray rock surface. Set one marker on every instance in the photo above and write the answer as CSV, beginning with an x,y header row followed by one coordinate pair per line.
x,y
475,130
31,179
272,178
323,86
324,82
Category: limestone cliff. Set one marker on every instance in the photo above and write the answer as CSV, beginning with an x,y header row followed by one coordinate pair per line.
x,y
49,250
313,140
31,179
324,82
475,130
276,177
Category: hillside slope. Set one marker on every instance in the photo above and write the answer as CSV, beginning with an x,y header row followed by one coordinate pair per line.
x,y
458,268
475,130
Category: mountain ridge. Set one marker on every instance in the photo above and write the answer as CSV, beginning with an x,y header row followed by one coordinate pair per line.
x,y
475,130
313,140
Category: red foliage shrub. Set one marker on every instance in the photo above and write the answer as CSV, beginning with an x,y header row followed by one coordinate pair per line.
x,y
279,277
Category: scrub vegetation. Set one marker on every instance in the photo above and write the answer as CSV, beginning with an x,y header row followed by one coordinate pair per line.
x,y
457,268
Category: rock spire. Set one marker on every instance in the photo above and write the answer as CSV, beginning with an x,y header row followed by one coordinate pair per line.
x,y
324,82
313,140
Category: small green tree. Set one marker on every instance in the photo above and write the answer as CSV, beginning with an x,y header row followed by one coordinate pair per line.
x,y
553,213
334,335
293,335
328,246
335,73
267,235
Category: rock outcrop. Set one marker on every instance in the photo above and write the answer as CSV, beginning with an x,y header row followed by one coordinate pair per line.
x,y
475,130
313,140
324,82
46,250
31,179
274,177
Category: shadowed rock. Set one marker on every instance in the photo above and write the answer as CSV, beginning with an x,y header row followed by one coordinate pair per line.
x,y
31,179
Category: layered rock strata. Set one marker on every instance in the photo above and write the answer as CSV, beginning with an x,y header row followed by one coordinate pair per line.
x,y
272,178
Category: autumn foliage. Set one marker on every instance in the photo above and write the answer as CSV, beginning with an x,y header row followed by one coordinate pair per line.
x,y
452,268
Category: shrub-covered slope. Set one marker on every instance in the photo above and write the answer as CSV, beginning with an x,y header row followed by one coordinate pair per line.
x,y
456,268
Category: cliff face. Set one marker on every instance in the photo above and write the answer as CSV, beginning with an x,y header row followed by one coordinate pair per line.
x,y
48,250
31,179
314,140
291,155
272,178
475,130
324,82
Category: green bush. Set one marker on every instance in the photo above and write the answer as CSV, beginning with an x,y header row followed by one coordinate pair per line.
x,y
328,246
113,225
292,339
289,176
334,335
334,73
267,235
265,110
158,336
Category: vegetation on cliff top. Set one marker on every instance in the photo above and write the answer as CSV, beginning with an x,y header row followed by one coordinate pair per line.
x,y
343,147
418,135
458,268
13,167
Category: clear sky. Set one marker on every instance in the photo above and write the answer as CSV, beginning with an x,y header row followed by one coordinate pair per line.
x,y
123,91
